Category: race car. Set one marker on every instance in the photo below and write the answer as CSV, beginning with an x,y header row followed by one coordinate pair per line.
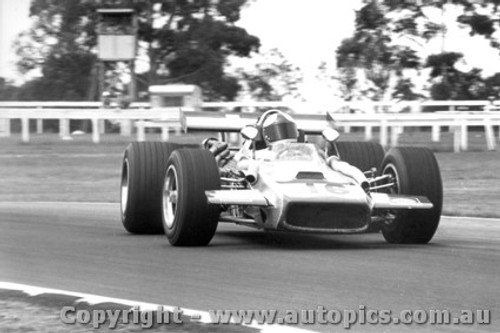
x,y
277,181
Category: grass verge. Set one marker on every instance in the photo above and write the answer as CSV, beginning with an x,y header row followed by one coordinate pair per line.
x,y
20,313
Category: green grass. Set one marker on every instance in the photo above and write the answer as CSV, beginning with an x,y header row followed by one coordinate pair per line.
x,y
471,183
49,169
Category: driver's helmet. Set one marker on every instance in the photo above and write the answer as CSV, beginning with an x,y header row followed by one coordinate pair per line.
x,y
279,126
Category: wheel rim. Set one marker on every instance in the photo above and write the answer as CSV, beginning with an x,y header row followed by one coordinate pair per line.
x,y
170,196
391,170
124,187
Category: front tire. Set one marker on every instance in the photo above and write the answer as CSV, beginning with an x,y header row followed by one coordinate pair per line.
x,y
143,168
362,155
188,219
415,172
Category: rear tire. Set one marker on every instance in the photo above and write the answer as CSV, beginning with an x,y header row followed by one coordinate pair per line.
x,y
188,219
416,172
362,155
143,168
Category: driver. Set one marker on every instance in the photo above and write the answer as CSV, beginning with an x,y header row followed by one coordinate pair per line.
x,y
274,126
277,129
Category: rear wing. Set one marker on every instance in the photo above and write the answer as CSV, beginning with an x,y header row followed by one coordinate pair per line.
x,y
310,124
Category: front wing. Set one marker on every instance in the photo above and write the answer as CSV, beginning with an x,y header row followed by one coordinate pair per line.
x,y
386,201
381,201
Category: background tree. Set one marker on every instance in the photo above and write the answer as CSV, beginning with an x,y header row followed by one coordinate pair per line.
x,y
184,41
269,76
392,35
59,47
450,83
7,91
371,50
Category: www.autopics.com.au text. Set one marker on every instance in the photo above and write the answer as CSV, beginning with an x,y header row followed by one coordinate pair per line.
x,y
320,315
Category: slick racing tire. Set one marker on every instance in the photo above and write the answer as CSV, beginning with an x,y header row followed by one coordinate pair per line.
x,y
415,171
362,155
188,219
143,168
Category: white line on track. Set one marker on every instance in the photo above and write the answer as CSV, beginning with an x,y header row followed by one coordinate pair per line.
x,y
204,317
58,203
90,155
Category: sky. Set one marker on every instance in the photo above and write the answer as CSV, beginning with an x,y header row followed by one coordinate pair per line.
x,y
306,31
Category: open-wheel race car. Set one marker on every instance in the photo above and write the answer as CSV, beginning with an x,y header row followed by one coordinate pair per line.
x,y
278,181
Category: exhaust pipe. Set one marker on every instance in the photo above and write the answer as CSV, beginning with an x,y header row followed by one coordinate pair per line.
x,y
252,173
350,171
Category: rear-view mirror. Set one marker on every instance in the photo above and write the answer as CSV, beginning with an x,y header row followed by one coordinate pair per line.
x,y
330,135
249,132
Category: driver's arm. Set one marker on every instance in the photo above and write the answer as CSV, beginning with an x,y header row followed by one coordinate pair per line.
x,y
220,150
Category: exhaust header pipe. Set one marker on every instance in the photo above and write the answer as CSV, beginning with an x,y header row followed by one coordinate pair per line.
x,y
252,173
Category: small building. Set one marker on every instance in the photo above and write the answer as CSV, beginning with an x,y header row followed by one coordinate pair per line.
x,y
187,96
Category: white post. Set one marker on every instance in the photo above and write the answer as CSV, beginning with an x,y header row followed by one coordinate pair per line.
x,y
368,133
395,132
489,133
102,126
39,122
456,137
436,133
383,132
39,126
140,131
4,127
64,128
164,132
25,129
125,127
347,129
463,134
95,130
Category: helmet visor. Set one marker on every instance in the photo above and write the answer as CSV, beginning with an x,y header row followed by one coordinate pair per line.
x,y
280,131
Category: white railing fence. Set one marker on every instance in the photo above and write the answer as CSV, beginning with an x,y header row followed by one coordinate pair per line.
x,y
369,115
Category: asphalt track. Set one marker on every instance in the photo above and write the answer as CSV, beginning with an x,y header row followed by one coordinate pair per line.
x,y
82,247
